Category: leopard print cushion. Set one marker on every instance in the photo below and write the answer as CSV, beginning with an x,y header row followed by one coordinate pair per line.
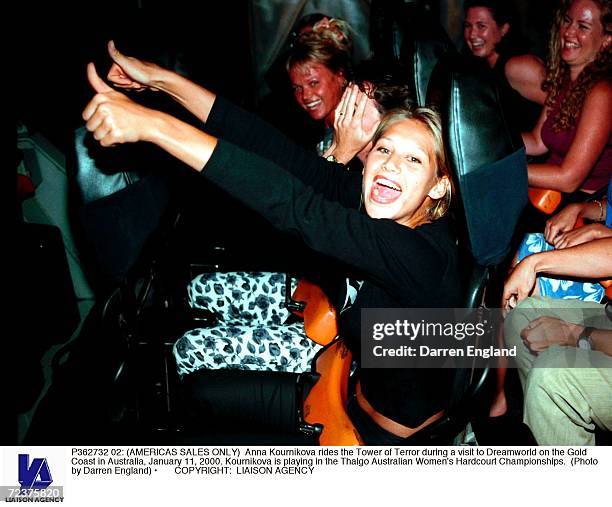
x,y
241,297
262,348
251,334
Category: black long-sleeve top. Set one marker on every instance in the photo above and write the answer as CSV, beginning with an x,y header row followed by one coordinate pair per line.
x,y
312,198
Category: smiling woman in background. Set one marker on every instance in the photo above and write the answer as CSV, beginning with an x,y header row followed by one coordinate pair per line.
x,y
574,128
491,33
319,66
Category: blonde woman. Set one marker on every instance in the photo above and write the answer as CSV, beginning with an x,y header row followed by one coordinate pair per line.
x,y
388,224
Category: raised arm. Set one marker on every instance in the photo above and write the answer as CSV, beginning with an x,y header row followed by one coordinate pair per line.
x,y
225,120
113,119
353,128
592,135
328,227
131,73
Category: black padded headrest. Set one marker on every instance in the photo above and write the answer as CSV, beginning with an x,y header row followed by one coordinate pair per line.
x,y
486,157
409,32
99,172
422,51
467,95
120,203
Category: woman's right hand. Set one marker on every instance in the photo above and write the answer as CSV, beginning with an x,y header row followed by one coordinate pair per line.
x,y
562,222
112,117
130,73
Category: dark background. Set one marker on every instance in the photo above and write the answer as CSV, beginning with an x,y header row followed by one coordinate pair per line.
x,y
211,42
55,42
55,45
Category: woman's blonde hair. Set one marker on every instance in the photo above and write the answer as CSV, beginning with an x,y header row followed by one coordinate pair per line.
x,y
338,30
558,72
329,43
430,119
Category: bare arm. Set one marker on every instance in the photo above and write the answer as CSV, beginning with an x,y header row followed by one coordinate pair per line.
x,y
588,260
592,135
525,74
594,210
581,235
533,140
115,119
544,331
602,340
130,73
571,261
565,220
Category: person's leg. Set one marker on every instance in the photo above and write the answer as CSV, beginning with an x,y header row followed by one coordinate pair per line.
x,y
564,405
579,312
517,320
499,405
567,391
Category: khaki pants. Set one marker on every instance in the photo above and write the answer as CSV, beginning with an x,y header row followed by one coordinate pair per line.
x,y
568,391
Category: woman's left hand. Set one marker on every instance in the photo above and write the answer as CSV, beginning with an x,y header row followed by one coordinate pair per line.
x,y
562,222
581,235
351,133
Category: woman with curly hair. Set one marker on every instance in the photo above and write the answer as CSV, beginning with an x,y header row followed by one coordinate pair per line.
x,y
574,127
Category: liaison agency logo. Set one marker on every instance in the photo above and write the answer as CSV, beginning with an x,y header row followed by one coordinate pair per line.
x,y
34,475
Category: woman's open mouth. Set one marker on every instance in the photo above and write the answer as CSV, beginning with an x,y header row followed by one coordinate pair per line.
x,y
385,191
569,47
312,105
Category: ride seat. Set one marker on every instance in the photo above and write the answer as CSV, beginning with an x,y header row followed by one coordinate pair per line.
x,y
119,200
489,170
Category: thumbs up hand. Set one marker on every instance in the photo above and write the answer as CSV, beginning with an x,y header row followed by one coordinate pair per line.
x,y
112,117
130,73
95,81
